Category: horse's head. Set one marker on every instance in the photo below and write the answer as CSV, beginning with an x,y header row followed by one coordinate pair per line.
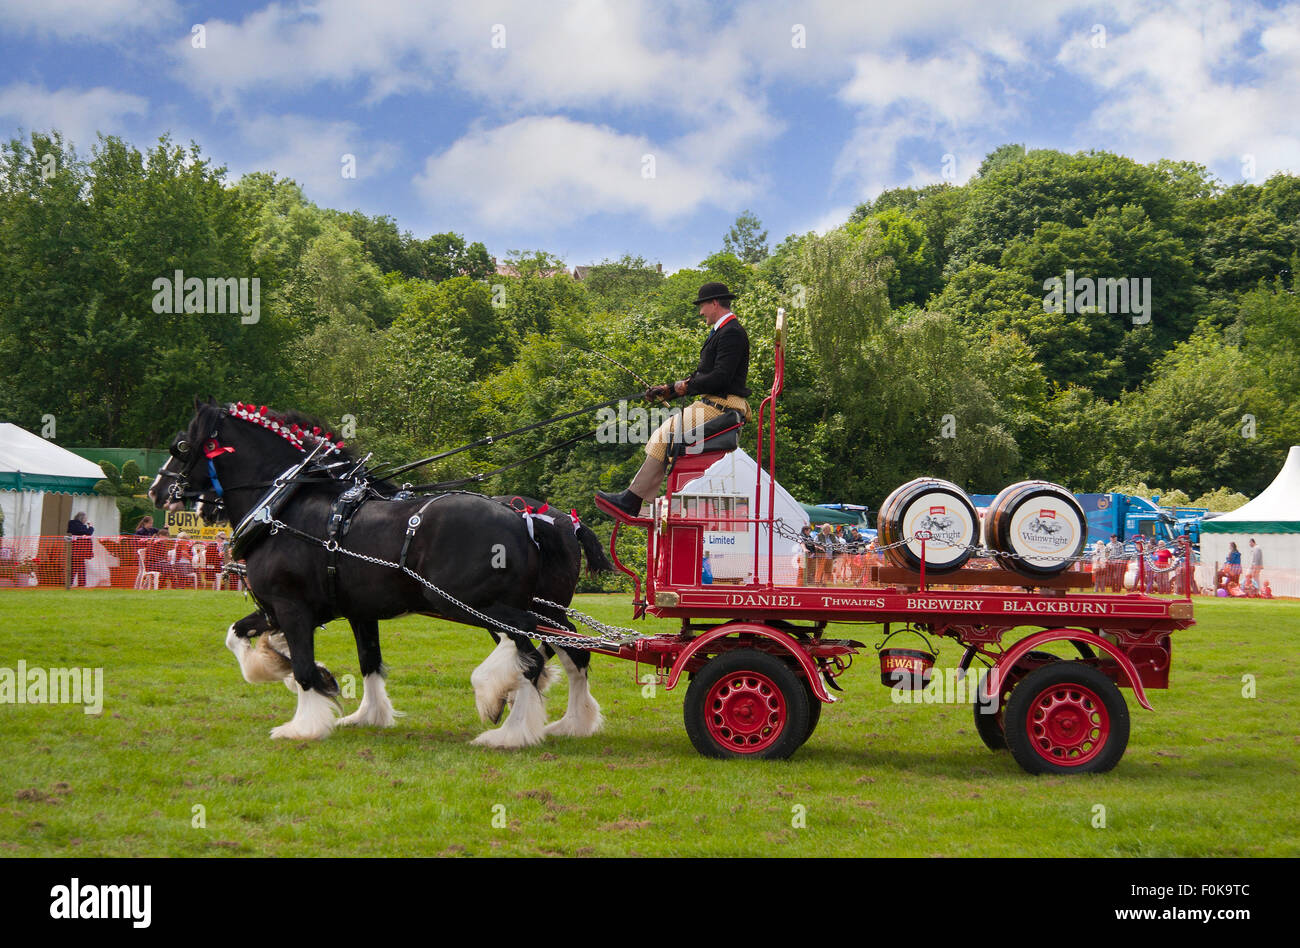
x,y
165,490
186,471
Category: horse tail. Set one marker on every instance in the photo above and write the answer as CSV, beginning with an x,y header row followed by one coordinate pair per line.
x,y
593,550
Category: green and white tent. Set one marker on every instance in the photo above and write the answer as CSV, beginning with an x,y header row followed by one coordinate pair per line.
x,y
1272,520
42,486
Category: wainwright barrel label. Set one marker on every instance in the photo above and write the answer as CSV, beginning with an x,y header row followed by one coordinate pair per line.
x,y
949,524
1045,531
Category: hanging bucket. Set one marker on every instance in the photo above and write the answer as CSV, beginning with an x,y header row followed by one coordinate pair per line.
x,y
909,668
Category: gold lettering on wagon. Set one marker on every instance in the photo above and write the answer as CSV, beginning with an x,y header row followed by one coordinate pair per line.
x,y
1073,608
752,599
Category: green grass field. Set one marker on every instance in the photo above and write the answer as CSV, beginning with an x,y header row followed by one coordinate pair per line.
x,y
1210,772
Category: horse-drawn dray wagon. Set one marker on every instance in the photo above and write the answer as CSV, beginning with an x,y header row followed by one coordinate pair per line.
x,y
761,666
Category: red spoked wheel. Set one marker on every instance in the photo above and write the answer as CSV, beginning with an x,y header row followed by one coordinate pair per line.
x,y
747,703
1067,717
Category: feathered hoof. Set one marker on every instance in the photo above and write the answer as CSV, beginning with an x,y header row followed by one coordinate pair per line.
x,y
313,720
526,725
504,739
371,717
584,723
296,731
573,726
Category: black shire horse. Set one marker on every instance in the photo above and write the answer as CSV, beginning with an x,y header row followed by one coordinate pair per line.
x,y
481,556
270,660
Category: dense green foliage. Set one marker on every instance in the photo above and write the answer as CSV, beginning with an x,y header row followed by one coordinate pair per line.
x,y
923,340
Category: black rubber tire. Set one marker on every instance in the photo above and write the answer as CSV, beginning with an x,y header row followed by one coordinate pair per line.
x,y
793,693
1058,676
814,711
989,726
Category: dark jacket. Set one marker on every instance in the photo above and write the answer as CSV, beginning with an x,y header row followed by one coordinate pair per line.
x,y
724,363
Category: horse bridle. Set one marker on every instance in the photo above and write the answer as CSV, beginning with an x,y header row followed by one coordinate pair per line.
x,y
183,451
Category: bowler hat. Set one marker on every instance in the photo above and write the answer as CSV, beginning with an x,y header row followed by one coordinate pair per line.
x,y
713,291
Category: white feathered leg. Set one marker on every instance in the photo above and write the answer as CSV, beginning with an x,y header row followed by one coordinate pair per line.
x,y
582,717
376,709
313,720
495,679
499,678
526,725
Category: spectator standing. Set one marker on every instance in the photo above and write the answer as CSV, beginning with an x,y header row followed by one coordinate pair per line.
x,y
1116,563
1098,566
807,553
1164,559
1255,562
80,529
825,557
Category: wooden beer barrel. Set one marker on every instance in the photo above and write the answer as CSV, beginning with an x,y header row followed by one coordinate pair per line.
x,y
1035,528
937,506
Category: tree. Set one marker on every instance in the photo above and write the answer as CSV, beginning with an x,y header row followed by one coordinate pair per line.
x,y
443,256
744,239
80,334
622,284
1018,196
915,274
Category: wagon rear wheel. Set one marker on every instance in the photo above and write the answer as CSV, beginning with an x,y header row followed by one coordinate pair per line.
x,y
747,703
1067,718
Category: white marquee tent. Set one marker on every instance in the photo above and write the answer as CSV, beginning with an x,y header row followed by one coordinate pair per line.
x,y
42,487
726,489
1272,520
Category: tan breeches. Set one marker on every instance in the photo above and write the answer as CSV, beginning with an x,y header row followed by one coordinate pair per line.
x,y
693,416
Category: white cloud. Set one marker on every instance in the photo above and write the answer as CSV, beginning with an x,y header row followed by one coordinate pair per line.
x,y
86,19
516,55
1208,83
78,113
311,151
949,89
548,171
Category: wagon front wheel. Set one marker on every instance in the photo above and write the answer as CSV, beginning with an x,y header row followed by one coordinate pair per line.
x,y
1066,718
746,703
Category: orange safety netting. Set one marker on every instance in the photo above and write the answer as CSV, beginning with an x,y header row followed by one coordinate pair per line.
x,y
112,562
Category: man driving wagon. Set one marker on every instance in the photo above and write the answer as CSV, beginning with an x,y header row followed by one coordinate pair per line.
x,y
719,384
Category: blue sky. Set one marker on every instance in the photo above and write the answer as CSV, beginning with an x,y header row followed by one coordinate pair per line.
x,y
591,129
